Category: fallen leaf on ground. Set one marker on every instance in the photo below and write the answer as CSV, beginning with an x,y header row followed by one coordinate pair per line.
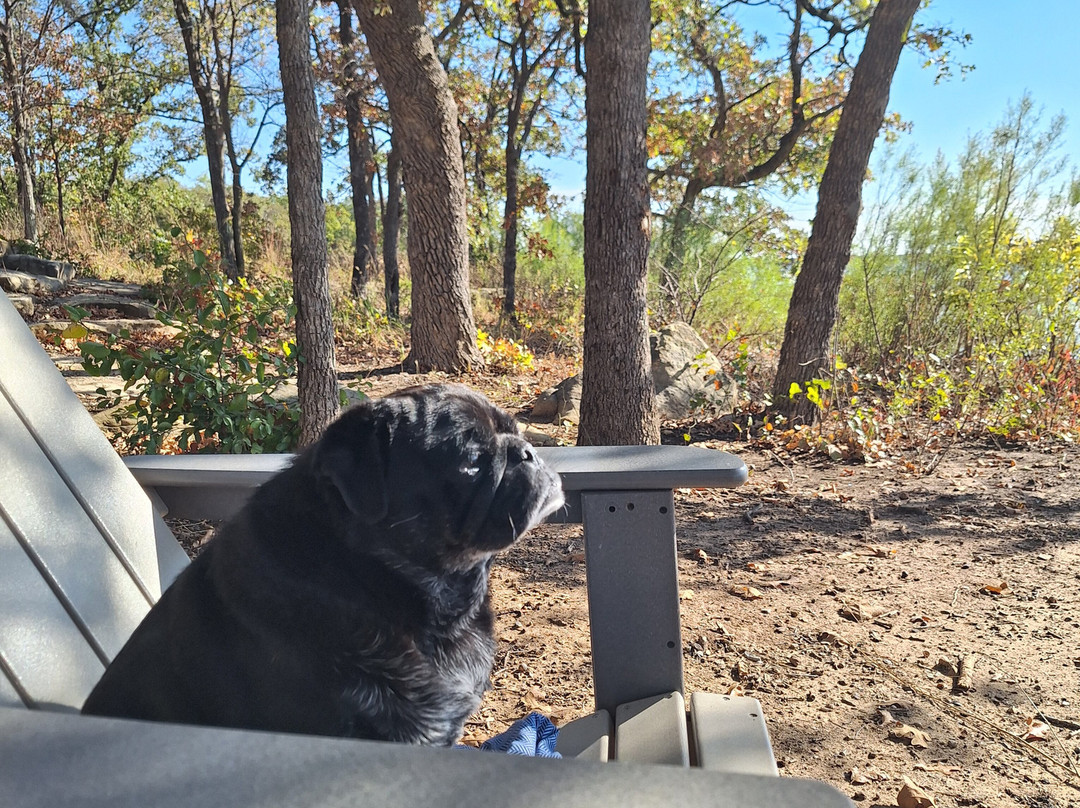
x,y
911,796
686,594
996,588
879,551
946,667
915,737
1036,730
860,777
747,592
860,612
758,566
701,556
536,700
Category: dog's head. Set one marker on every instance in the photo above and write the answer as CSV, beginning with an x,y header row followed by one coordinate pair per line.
x,y
436,475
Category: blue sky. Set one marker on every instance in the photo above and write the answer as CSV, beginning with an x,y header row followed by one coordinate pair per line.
x,y
1016,47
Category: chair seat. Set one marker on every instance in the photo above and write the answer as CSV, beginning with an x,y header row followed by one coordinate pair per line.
x,y
723,733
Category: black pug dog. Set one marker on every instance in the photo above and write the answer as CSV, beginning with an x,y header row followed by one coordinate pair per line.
x,y
349,597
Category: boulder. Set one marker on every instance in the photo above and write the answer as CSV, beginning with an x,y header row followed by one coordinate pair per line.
x,y
687,375
111,287
559,403
24,304
154,327
32,265
135,309
288,393
26,284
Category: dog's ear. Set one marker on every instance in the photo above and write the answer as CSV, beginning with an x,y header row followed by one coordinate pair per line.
x,y
352,456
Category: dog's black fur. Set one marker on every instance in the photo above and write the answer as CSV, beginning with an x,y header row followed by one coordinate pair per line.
x,y
349,597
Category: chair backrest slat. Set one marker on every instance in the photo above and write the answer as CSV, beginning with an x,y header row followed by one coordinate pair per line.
x,y
83,555
43,653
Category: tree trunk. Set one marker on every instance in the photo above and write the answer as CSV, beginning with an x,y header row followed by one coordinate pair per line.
x,y
58,176
812,312
671,269
213,137
24,174
359,156
235,169
617,397
317,380
391,234
510,221
15,86
425,121
237,205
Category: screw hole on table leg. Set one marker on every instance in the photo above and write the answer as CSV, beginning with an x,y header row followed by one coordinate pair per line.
x,y
611,508
670,643
629,506
663,509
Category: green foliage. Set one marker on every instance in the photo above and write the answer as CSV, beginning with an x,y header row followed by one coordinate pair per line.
x,y
709,264
964,292
211,386
360,325
503,354
553,254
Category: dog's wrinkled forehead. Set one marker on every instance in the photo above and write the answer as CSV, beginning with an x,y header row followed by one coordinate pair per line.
x,y
451,412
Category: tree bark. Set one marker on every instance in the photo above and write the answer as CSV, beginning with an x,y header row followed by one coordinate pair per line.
x,y
425,121
213,137
15,84
317,379
237,208
812,312
617,396
363,267
391,234
510,221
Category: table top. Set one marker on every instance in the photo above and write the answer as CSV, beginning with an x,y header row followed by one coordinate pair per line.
x,y
54,760
582,468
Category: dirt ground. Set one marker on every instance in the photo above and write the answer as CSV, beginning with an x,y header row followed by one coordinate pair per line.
x,y
846,598
893,624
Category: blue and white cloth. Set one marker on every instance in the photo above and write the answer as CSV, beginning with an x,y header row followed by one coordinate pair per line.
x,y
532,736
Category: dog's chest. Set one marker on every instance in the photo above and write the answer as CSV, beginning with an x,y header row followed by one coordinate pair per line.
x,y
418,692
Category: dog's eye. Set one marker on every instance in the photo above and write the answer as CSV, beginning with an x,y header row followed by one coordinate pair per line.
x,y
471,466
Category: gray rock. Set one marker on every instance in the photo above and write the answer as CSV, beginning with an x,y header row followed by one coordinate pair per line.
x,y
24,283
24,304
687,375
33,265
545,406
559,403
288,393
537,437
111,287
125,305
154,327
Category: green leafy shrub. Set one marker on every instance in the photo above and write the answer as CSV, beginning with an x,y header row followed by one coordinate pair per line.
x,y
209,388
